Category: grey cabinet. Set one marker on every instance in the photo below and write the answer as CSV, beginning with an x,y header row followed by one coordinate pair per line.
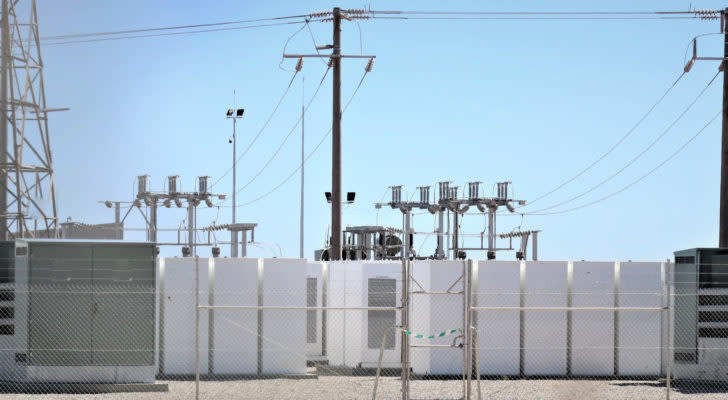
x,y
60,305
123,296
90,303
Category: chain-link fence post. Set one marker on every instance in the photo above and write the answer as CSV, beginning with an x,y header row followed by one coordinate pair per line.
x,y
405,327
467,292
668,355
197,327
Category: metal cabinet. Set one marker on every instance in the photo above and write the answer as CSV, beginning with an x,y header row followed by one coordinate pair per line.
x,y
60,305
89,303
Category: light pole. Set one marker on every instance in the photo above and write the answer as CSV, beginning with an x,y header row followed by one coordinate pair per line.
x,y
234,115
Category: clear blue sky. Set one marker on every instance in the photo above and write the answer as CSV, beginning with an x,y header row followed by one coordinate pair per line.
x,y
532,102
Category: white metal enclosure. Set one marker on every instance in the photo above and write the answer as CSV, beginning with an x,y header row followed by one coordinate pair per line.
x,y
640,334
592,332
284,331
498,331
177,312
434,313
234,332
545,285
354,336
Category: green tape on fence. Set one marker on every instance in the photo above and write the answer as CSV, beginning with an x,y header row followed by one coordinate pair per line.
x,y
439,335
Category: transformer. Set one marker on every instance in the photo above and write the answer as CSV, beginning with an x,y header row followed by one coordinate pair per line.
x,y
700,328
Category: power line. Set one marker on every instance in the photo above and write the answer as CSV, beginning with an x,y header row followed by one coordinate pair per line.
x,y
645,150
275,154
707,13
174,33
267,121
309,154
611,149
638,179
545,18
166,28
286,45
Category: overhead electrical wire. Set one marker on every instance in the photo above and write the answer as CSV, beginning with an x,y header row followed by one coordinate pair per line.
x,y
286,46
326,135
526,18
293,129
658,166
440,12
174,33
167,28
260,132
611,149
645,150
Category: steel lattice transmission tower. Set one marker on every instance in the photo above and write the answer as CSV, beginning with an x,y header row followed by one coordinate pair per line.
x,y
27,195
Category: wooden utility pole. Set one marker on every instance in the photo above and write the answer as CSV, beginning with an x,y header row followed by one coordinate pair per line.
x,y
335,253
723,232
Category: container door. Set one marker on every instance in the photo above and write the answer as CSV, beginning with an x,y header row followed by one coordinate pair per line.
x,y
60,305
123,296
685,281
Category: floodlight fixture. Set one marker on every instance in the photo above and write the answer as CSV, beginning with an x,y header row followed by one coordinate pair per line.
x,y
350,196
107,204
328,196
230,112
239,112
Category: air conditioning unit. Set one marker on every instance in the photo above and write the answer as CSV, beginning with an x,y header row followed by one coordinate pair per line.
x,y
700,314
75,311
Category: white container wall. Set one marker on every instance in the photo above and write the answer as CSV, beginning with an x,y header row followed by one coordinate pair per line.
x,y
235,332
343,332
382,287
499,340
539,347
284,331
432,314
177,330
545,331
354,337
592,337
641,284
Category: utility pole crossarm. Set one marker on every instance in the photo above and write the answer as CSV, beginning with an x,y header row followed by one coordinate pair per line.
x,y
327,56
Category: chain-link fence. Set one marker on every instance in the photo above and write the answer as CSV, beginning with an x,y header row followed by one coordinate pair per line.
x,y
112,325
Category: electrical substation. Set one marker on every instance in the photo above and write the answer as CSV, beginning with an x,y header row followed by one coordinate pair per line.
x,y
84,309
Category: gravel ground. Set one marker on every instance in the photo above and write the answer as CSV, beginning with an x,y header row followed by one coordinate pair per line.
x,y
336,387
